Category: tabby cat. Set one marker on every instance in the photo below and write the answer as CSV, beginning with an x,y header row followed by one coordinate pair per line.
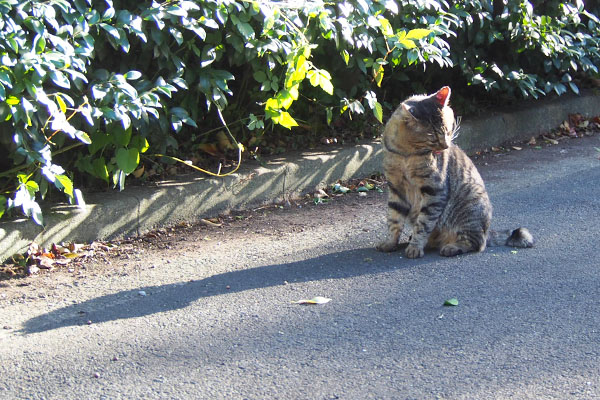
x,y
434,186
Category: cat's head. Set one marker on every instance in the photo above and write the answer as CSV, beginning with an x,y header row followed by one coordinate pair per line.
x,y
428,121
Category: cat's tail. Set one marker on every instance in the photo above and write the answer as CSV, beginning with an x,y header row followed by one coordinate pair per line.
x,y
520,237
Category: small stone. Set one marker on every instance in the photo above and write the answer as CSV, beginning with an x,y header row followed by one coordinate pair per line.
x,y
115,358
96,375
89,322
142,293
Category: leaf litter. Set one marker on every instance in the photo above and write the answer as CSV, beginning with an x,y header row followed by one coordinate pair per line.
x,y
575,126
360,186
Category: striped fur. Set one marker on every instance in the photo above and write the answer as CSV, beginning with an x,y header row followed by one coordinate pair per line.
x,y
433,185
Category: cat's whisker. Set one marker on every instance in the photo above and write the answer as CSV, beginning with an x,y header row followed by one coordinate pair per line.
x,y
456,128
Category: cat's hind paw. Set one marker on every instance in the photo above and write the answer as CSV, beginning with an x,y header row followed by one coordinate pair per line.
x,y
451,250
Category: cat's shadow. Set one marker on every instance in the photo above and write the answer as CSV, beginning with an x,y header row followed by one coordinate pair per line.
x,y
155,299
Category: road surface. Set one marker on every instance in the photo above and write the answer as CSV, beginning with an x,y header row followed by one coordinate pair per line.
x,y
210,314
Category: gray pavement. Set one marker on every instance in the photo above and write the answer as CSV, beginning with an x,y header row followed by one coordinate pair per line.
x,y
216,319
138,210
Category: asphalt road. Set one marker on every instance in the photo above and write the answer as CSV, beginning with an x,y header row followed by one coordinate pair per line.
x,y
217,319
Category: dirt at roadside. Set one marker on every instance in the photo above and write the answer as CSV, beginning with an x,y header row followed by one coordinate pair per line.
x,y
164,246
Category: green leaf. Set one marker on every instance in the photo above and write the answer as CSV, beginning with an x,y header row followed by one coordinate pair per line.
x,y
5,78
65,184
2,205
246,30
313,77
127,159
100,169
119,179
574,87
39,44
285,119
418,34
83,137
346,56
451,302
329,111
120,136
12,101
140,143
133,75
326,85
378,112
112,31
61,103
260,76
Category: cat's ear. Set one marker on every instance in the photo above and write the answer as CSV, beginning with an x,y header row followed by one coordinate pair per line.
x,y
443,96
408,110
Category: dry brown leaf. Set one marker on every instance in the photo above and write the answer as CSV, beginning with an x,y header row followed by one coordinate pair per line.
x,y
210,223
210,148
139,172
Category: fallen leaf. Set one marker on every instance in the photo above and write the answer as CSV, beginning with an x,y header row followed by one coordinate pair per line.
x,y
514,251
367,185
211,222
320,194
45,263
517,148
314,300
547,139
72,255
337,188
210,148
138,172
451,302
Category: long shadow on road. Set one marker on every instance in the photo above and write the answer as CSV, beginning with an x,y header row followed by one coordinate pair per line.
x,y
157,299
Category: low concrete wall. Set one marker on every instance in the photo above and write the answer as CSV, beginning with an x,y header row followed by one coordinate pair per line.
x,y
140,209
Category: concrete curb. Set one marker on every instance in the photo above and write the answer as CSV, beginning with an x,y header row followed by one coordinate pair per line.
x,y
140,209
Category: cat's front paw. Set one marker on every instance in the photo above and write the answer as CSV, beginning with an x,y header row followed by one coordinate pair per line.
x,y
387,246
414,251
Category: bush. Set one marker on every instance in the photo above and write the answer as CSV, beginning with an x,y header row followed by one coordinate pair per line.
x,y
87,88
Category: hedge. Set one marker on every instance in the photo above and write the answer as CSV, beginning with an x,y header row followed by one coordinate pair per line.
x,y
88,88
